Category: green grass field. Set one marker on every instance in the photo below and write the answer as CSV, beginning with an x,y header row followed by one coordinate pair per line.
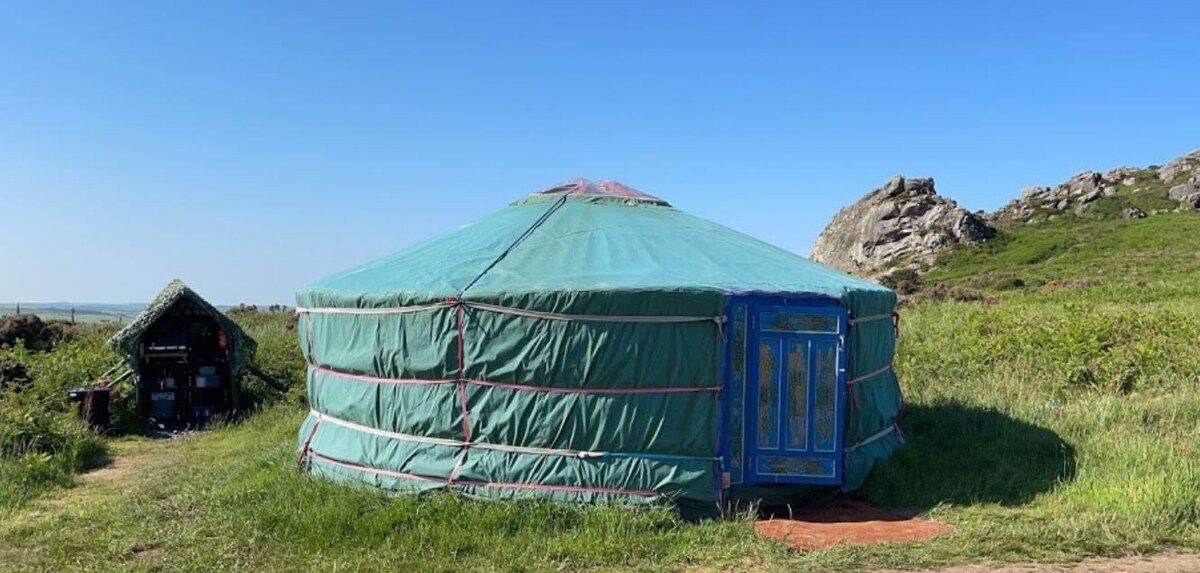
x,y
1061,422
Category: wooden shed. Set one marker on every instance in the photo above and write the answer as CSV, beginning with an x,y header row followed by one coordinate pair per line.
x,y
187,357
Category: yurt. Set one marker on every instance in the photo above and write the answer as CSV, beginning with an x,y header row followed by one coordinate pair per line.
x,y
590,343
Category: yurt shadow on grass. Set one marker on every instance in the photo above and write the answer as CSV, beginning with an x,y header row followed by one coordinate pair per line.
x,y
592,344
954,454
965,455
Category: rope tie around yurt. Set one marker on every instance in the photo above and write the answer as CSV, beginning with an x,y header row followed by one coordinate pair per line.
x,y
462,390
446,442
307,449
511,385
488,484
893,428
659,319
851,383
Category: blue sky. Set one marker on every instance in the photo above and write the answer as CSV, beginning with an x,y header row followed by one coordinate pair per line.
x,y
250,148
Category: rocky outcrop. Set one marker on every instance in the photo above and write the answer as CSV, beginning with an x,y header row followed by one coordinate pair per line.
x,y
1124,192
1180,168
903,223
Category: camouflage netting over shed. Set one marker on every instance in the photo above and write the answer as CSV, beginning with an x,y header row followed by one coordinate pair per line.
x,y
242,347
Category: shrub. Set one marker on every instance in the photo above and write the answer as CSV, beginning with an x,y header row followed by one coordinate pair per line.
x,y
903,281
12,373
945,293
996,280
38,335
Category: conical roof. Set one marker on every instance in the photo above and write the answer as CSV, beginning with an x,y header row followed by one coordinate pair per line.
x,y
593,237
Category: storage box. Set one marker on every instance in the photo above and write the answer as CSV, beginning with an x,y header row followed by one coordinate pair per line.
x,y
202,413
209,381
162,405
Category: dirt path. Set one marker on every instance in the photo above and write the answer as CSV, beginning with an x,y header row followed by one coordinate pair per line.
x,y
128,461
1162,563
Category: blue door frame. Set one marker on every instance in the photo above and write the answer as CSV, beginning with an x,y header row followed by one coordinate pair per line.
x,y
785,398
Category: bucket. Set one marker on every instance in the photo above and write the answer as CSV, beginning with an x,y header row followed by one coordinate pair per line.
x,y
93,405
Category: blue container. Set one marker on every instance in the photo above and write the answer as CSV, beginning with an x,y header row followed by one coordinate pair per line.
x,y
162,405
201,414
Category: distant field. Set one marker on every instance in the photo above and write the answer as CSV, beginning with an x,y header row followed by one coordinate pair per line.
x,y
88,313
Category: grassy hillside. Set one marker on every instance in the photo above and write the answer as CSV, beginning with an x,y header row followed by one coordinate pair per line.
x,y
1057,421
1132,261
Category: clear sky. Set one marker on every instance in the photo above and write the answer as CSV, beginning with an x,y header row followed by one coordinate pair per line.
x,y
252,147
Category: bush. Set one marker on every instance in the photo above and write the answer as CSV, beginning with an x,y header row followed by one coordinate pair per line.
x,y
947,293
42,443
12,373
278,354
38,335
903,281
996,280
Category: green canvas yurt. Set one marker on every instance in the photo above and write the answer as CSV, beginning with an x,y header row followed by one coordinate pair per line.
x,y
590,343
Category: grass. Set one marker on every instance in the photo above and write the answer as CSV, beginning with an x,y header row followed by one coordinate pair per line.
x,y
235,500
1132,261
1059,423
1029,433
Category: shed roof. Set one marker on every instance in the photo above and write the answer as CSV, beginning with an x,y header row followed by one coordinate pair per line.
x,y
126,340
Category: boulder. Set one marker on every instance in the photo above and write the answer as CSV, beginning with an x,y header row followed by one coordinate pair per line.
x,y
1176,180
1178,192
904,222
1191,202
1133,213
1179,166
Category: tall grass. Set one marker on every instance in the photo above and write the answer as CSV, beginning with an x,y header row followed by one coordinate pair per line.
x,y
42,443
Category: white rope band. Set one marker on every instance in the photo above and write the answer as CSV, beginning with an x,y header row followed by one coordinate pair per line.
x,y
870,318
388,310
454,443
874,438
516,312
591,317
384,433
869,376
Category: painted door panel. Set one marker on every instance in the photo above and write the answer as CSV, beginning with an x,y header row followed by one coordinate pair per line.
x,y
795,392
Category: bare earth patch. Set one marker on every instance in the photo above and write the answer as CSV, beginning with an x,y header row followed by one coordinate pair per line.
x,y
848,522
122,467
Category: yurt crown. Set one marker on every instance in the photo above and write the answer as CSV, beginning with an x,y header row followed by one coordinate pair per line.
x,y
602,188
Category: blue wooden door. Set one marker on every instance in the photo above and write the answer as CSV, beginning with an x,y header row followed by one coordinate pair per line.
x,y
795,395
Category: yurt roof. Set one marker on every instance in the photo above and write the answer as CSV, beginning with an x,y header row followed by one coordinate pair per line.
x,y
585,236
